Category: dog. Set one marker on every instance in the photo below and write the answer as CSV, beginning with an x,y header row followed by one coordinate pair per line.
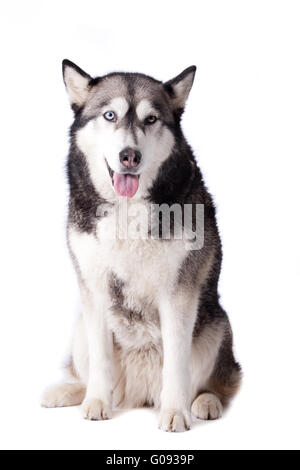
x,y
152,331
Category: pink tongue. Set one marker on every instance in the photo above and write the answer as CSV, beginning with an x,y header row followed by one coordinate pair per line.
x,y
126,185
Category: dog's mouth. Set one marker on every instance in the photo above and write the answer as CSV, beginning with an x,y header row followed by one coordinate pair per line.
x,y
125,184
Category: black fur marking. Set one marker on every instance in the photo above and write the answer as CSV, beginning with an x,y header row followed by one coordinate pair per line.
x,y
179,179
84,200
116,287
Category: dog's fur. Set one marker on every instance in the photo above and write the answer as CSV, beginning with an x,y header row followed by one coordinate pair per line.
x,y
152,331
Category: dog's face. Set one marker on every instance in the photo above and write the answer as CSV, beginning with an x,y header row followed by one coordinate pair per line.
x,y
126,125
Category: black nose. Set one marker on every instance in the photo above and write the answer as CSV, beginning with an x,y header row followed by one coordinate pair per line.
x,y
130,158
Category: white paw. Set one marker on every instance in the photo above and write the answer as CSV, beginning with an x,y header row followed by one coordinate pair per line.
x,y
95,410
174,420
207,406
63,395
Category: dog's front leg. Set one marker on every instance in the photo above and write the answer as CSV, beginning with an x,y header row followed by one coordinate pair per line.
x,y
97,404
177,317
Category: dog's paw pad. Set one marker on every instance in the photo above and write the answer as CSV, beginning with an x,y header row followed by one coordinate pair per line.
x,y
94,409
174,420
207,406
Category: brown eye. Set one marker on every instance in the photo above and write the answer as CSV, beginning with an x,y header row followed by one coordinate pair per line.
x,y
150,120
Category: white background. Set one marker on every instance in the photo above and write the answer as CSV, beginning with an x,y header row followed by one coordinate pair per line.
x,y
243,121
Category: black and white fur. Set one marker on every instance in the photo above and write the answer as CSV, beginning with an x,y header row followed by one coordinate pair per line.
x,y
152,331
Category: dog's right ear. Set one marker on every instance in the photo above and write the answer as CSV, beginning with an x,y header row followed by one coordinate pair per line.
x,y
77,84
179,87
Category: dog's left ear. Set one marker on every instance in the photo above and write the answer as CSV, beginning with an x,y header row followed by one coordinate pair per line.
x,y
77,84
179,87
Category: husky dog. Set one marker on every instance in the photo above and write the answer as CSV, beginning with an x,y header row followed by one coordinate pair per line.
x,y
152,331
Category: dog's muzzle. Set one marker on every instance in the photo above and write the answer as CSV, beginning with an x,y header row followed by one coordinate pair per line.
x,y
126,182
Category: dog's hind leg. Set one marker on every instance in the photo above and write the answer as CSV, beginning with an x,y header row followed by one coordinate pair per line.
x,y
219,373
227,375
207,406
68,394
73,393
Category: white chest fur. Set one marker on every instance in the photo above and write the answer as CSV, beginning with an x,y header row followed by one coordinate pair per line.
x,y
146,268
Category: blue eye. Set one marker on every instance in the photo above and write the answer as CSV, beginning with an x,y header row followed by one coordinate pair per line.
x,y
110,116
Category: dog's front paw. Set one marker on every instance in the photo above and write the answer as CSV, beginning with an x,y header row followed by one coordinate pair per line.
x,y
174,420
95,410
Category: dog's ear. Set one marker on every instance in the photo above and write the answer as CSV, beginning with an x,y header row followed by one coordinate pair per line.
x,y
77,84
179,87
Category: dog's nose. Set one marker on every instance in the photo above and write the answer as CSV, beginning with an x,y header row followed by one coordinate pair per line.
x,y
130,158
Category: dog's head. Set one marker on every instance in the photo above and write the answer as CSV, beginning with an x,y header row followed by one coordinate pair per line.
x,y
125,125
